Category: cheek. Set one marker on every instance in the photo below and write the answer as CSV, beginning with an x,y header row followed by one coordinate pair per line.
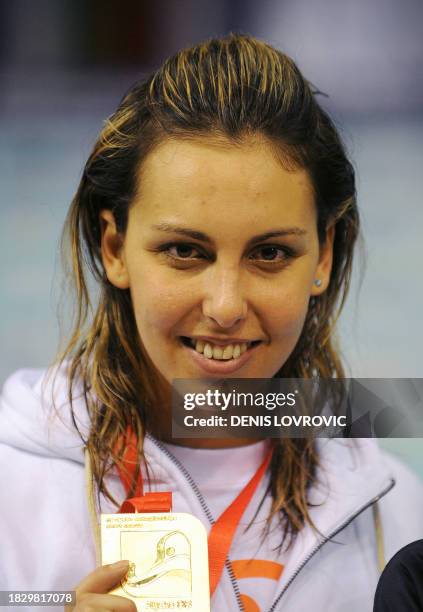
x,y
156,309
287,314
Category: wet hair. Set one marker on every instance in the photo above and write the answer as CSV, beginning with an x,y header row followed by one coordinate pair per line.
x,y
232,89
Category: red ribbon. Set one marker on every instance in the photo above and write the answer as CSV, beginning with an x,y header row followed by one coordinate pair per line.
x,y
140,502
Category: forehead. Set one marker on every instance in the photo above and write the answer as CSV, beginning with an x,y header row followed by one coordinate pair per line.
x,y
213,181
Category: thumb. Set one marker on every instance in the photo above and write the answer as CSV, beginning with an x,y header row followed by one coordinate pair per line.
x,y
104,578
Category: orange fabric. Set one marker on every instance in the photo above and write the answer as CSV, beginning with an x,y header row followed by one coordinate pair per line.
x,y
257,568
130,461
223,530
248,604
141,502
149,502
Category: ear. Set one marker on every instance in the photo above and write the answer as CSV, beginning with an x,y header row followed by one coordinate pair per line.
x,y
324,267
112,251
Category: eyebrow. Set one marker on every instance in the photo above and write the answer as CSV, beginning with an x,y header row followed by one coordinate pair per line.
x,y
196,235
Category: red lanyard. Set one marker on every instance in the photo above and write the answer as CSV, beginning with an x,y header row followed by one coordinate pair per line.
x,y
222,531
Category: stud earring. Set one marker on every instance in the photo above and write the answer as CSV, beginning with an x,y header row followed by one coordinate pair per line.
x,y
318,282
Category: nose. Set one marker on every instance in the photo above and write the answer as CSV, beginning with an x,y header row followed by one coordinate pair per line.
x,y
224,302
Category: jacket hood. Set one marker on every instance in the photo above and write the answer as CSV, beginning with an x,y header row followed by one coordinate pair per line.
x,y
35,415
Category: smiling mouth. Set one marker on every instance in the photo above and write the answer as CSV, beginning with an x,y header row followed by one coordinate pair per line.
x,y
218,352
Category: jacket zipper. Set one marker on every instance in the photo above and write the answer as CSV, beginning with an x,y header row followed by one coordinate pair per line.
x,y
228,566
206,511
332,535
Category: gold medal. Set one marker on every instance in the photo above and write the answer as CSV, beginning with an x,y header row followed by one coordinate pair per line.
x,y
168,558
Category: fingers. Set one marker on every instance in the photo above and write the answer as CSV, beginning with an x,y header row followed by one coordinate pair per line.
x,y
104,578
92,591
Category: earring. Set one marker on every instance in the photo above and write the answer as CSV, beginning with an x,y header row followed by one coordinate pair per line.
x,y
318,282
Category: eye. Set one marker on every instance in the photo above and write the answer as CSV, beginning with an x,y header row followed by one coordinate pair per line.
x,y
271,253
182,250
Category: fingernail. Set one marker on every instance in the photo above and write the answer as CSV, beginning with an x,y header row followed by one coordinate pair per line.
x,y
119,565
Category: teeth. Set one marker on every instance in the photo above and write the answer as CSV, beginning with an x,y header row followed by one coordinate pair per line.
x,y
199,346
230,351
208,351
217,352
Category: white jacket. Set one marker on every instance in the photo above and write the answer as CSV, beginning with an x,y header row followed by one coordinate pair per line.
x,y
47,540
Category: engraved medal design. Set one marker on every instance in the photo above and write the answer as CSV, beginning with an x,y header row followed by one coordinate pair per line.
x,y
170,572
168,558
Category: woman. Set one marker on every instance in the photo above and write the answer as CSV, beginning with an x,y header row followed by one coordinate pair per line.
x,y
217,213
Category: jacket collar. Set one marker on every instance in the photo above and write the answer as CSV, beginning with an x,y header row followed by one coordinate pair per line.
x,y
351,477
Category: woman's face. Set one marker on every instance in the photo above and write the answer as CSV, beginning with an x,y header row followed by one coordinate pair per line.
x,y
221,255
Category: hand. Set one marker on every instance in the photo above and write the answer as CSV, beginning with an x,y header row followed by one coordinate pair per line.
x,y
92,592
